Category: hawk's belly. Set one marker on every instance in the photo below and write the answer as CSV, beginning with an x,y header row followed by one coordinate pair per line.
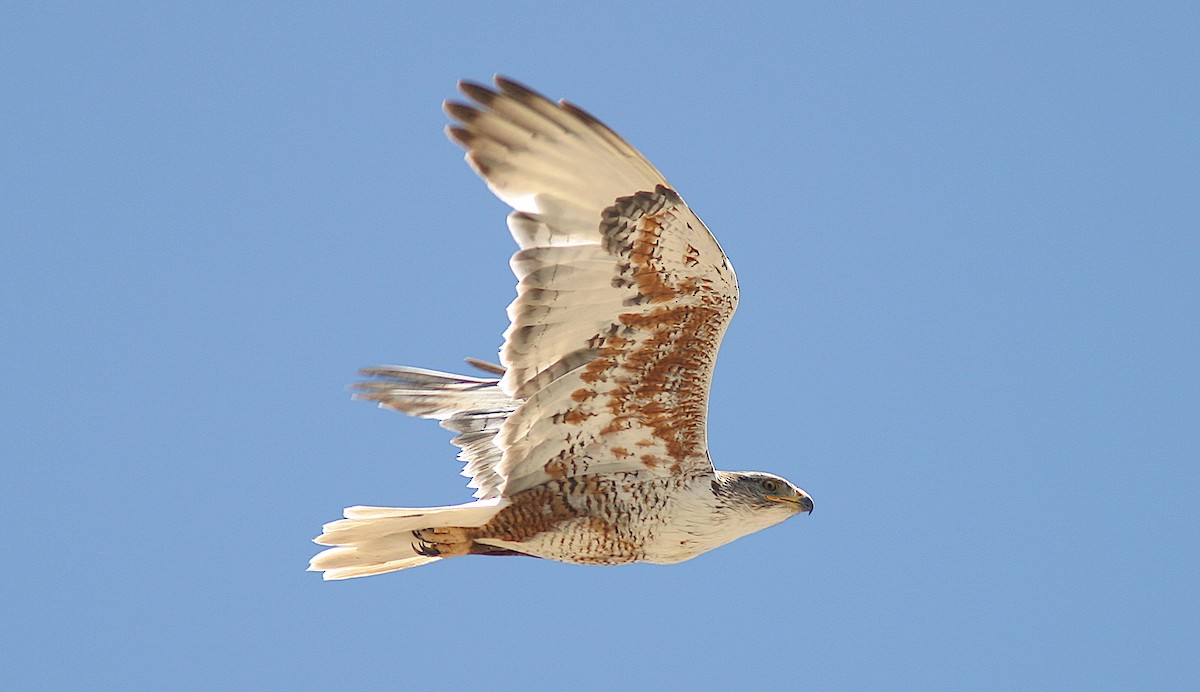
x,y
607,520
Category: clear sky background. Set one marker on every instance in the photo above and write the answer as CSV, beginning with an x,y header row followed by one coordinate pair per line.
x,y
968,239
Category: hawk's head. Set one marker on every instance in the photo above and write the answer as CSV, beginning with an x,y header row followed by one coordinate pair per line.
x,y
763,493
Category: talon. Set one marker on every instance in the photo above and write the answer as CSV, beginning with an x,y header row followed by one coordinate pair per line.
x,y
424,547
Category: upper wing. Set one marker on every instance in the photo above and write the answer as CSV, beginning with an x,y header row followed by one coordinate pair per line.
x,y
623,295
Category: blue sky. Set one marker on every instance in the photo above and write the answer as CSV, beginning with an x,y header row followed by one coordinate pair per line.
x,y
968,239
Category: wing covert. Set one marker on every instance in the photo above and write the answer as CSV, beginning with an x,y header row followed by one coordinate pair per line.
x,y
623,295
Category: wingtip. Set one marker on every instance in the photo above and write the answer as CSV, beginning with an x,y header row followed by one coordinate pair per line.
x,y
582,114
462,112
459,135
477,92
513,88
490,368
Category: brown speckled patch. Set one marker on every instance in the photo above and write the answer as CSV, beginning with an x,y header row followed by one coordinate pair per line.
x,y
582,394
533,511
658,369
647,371
556,469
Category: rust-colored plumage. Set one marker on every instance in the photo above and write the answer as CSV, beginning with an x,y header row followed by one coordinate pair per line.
x,y
589,445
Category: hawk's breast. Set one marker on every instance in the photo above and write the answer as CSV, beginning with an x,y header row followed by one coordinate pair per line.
x,y
608,520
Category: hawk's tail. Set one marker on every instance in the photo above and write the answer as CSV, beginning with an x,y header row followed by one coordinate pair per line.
x,y
375,540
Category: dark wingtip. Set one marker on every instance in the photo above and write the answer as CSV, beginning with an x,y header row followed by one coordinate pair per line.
x,y
477,92
517,90
490,368
460,136
580,113
461,111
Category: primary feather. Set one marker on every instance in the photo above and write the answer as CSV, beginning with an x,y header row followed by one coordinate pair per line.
x,y
590,444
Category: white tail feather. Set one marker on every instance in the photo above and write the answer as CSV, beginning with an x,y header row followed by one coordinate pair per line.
x,y
374,540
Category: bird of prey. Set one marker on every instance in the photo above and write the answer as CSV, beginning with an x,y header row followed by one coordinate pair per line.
x,y
587,444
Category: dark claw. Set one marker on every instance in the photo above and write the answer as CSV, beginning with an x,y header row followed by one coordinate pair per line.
x,y
423,547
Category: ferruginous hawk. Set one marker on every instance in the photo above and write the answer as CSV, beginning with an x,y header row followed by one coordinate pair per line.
x,y
588,444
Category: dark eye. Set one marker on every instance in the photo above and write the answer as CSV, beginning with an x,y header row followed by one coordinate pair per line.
x,y
770,485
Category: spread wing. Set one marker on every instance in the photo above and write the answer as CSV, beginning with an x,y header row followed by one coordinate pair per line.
x,y
623,295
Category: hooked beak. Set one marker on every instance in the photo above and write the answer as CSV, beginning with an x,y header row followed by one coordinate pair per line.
x,y
803,502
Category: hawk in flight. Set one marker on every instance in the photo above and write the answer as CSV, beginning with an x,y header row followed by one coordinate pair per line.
x,y
587,444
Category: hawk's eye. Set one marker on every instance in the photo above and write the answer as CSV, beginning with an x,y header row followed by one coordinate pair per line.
x,y
770,485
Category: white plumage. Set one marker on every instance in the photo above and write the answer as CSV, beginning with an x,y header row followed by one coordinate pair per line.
x,y
591,445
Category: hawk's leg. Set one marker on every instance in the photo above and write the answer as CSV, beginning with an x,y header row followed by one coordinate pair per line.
x,y
444,541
